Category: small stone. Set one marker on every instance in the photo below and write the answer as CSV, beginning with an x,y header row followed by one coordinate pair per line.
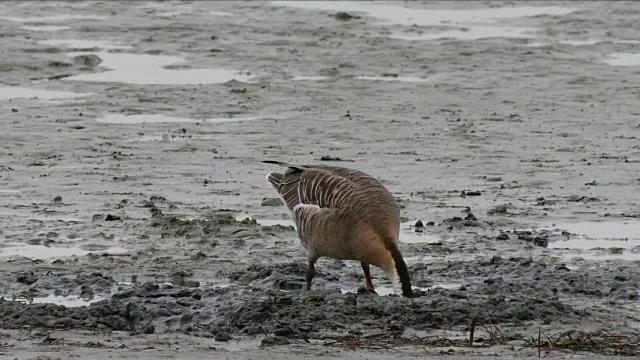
x,y
271,202
274,340
90,60
222,336
26,278
57,199
149,329
285,331
110,217
563,267
284,300
502,236
343,16
191,283
499,209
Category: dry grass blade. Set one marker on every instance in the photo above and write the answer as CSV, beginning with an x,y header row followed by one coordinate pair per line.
x,y
604,343
472,329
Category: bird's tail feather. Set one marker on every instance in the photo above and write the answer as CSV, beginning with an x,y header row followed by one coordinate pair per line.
x,y
274,179
285,165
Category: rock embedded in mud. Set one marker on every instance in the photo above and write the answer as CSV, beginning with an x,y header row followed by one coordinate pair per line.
x,y
110,217
498,209
88,60
343,16
222,336
157,198
58,64
148,329
471,217
271,202
470,193
274,340
26,277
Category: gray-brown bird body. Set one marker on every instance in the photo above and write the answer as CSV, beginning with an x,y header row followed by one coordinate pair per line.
x,y
343,214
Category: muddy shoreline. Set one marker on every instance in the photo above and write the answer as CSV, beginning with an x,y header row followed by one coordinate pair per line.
x,y
135,214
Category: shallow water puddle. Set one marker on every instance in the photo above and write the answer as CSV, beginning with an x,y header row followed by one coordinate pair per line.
x,y
168,137
623,59
388,290
48,252
412,237
67,301
600,240
474,33
600,234
151,119
142,118
220,13
53,18
310,78
144,69
85,44
14,92
267,222
588,42
409,79
47,28
469,24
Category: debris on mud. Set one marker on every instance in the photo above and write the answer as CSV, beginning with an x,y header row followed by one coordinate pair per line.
x,y
343,16
271,202
88,60
334,158
203,227
498,209
470,193
110,217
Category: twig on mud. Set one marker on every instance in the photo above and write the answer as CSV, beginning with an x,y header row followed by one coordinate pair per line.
x,y
539,346
390,340
90,344
504,339
32,260
550,344
48,340
472,329
605,343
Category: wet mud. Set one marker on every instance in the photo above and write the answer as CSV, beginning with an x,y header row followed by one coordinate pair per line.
x,y
134,203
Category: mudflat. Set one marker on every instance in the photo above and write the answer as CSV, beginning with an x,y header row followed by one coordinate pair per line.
x,y
136,222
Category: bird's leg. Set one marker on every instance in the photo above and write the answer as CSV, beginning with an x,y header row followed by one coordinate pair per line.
x,y
311,272
367,276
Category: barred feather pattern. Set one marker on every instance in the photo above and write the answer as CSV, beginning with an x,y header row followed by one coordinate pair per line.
x,y
329,200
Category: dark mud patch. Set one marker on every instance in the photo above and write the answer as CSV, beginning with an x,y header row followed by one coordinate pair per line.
x,y
298,316
205,226
268,299
522,276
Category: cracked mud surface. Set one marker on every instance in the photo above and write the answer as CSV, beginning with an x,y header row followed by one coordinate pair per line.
x,y
168,230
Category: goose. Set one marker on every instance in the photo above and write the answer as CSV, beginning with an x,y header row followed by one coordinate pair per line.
x,y
344,214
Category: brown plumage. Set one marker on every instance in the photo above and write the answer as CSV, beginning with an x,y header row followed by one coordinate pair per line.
x,y
343,214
